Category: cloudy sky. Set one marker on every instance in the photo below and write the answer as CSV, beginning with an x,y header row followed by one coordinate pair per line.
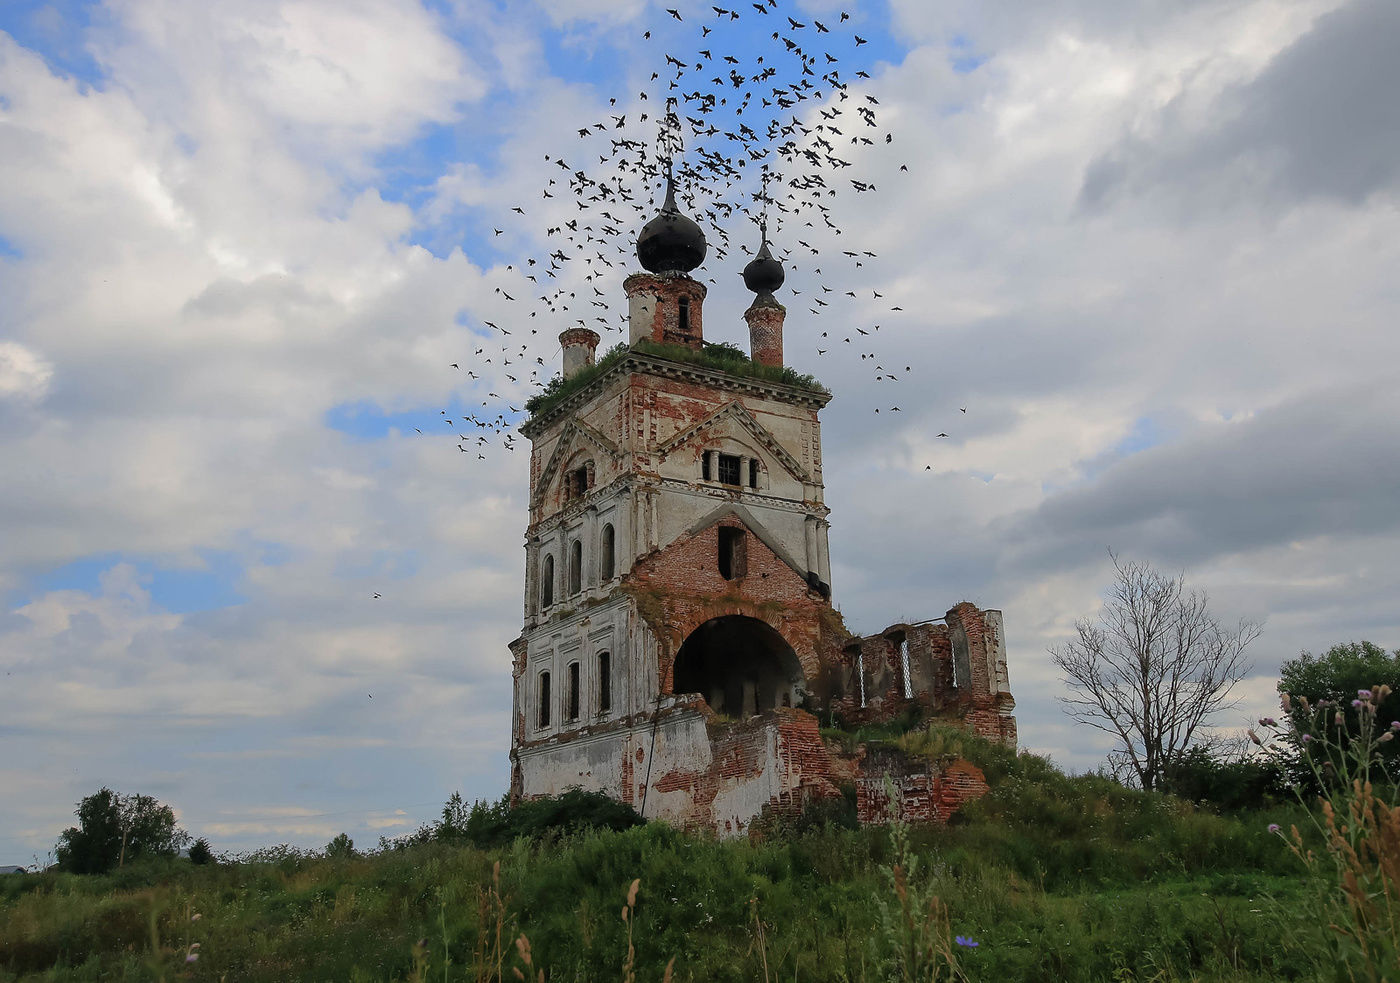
x,y
1143,244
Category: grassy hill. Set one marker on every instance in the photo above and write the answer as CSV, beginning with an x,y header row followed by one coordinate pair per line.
x,y
1054,877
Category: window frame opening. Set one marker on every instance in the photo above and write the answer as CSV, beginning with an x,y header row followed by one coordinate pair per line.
x,y
577,482
728,466
604,682
683,314
705,466
573,704
575,567
906,673
732,552
542,700
607,553
753,472
860,673
547,581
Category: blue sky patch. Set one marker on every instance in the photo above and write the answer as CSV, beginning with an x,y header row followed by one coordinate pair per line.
x,y
8,250
57,31
179,590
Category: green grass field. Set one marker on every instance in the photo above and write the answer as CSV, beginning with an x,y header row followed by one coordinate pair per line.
x,y
1054,877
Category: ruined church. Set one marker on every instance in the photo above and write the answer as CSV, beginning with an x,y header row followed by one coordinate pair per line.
x,y
680,649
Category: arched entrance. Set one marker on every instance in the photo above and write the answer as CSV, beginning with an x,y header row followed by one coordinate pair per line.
x,y
740,666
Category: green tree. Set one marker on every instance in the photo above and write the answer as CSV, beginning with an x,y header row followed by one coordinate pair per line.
x,y
114,829
341,848
1332,681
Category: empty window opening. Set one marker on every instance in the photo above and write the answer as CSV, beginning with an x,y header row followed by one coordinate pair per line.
x,y
576,567
547,582
733,553
573,691
705,465
728,469
608,550
578,482
962,667
683,321
542,714
604,682
904,665
740,666
753,472
860,672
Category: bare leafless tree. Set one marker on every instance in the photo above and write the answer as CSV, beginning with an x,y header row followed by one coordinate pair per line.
x,y
1153,669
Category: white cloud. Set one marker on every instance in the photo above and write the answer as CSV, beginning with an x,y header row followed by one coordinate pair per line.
x,y
24,374
213,260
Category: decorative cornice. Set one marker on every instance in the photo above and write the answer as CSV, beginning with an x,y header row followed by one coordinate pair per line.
x,y
671,369
564,447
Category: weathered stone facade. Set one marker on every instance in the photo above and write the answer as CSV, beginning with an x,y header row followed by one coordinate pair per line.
x,y
679,639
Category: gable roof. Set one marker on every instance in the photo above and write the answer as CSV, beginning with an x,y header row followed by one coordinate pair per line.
x,y
575,433
736,412
761,532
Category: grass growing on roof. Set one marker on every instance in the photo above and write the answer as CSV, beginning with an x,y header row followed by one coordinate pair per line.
x,y
722,356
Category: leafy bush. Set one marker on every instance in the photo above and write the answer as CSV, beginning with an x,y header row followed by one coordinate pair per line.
x,y
1243,783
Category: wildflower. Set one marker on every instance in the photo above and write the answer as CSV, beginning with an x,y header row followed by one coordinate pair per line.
x,y
1273,827
192,957
1395,725
1267,722
1356,704
1365,694
1385,737
196,917
965,941
1254,737
1286,701
1306,738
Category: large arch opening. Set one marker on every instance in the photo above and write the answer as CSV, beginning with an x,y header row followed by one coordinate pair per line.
x,y
740,666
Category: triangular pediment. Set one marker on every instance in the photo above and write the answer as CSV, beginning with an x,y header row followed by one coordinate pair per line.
x,y
762,533
575,436
735,419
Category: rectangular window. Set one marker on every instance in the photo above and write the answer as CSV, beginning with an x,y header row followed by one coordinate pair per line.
x,y
705,465
860,671
904,664
728,469
573,690
542,715
753,472
604,682
733,553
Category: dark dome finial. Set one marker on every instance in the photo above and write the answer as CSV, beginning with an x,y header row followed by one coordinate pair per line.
x,y
671,243
764,274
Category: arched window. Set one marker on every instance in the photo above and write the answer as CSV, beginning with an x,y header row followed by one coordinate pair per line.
x,y
604,682
574,688
683,322
608,554
576,567
542,715
547,581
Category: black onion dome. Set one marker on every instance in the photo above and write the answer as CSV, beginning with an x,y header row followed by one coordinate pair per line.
x,y
671,243
764,274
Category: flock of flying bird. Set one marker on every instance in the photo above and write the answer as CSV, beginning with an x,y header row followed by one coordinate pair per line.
x,y
764,132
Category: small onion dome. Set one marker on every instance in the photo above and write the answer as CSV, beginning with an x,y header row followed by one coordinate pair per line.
x,y
671,243
764,274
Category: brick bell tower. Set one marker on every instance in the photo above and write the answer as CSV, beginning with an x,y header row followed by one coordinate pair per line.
x,y
678,625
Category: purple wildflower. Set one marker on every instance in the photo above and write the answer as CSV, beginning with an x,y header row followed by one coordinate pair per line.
x,y
965,941
1356,704
1365,694
1273,827
1267,722
1306,738
192,957
1395,725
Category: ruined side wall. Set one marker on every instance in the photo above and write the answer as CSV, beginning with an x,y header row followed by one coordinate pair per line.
x,y
892,786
